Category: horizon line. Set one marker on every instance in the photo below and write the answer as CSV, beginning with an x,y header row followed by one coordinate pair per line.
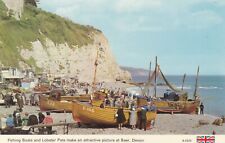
x,y
147,70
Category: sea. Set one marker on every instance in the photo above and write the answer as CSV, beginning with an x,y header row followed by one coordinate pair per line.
x,y
210,88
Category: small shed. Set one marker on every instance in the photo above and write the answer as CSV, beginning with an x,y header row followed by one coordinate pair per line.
x,y
11,76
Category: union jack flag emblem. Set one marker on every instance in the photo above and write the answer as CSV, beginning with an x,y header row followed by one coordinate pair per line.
x,y
205,139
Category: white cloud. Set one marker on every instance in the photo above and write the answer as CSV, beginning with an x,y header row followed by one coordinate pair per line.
x,y
81,11
139,15
77,6
58,3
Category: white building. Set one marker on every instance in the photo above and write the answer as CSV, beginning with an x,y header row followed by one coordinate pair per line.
x,y
11,75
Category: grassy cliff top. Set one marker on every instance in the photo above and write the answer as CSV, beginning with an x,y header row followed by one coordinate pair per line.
x,y
36,24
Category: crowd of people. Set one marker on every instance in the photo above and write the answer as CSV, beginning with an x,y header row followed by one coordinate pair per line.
x,y
117,98
15,121
21,98
137,118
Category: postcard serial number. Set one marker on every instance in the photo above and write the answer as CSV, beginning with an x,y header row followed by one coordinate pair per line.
x,y
186,140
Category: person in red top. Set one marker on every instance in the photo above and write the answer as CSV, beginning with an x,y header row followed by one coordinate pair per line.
x,y
48,120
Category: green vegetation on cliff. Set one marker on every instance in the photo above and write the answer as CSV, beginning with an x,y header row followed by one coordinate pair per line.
x,y
36,24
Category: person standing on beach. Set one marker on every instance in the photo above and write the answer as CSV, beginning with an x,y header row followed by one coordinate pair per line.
x,y
120,117
19,99
152,108
202,109
133,118
143,118
86,89
36,99
27,98
32,99
8,100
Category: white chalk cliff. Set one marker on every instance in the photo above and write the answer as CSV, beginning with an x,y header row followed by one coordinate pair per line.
x,y
66,60
62,60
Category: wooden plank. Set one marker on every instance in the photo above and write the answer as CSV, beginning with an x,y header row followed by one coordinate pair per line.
x,y
45,125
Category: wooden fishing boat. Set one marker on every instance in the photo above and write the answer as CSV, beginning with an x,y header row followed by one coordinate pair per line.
x,y
175,102
181,106
186,107
94,115
180,103
46,102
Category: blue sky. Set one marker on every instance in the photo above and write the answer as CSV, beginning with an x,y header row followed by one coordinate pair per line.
x,y
182,33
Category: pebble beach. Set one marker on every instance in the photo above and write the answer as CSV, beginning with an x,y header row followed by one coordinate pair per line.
x,y
166,124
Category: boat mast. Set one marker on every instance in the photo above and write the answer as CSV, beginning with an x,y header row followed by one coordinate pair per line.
x,y
95,73
183,82
156,64
149,76
196,84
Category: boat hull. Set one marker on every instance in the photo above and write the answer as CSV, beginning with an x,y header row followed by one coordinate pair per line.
x,y
65,104
94,115
186,107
